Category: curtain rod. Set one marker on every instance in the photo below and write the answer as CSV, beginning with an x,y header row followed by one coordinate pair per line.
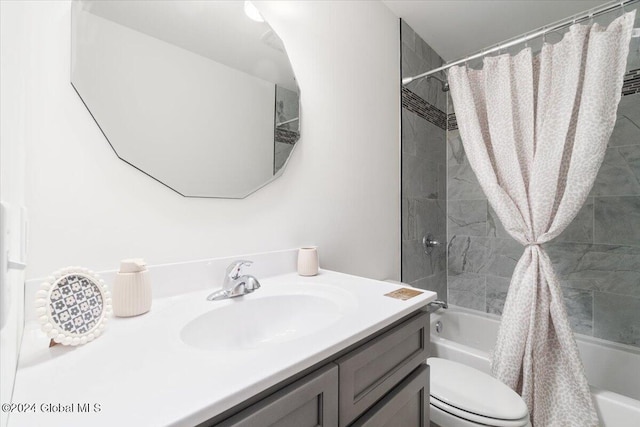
x,y
607,7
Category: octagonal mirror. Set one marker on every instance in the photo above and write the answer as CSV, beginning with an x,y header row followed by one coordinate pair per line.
x,y
199,95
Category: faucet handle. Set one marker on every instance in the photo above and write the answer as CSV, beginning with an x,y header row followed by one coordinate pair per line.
x,y
251,284
234,269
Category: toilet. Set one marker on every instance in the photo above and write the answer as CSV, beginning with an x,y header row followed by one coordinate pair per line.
x,y
462,396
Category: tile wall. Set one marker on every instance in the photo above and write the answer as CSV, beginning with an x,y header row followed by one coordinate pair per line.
x,y
424,170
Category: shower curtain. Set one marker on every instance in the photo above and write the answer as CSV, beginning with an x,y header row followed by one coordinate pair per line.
x,y
535,130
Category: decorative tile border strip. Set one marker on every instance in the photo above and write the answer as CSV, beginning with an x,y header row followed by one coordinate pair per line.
x,y
286,136
422,108
631,83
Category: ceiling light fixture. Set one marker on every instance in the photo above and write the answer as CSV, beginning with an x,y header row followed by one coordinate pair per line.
x,y
252,12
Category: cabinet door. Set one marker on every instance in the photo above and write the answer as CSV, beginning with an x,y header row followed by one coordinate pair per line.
x,y
372,370
407,405
309,402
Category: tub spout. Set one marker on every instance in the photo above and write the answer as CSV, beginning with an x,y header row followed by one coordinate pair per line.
x,y
436,305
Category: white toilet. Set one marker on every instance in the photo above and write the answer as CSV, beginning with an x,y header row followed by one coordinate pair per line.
x,y
462,396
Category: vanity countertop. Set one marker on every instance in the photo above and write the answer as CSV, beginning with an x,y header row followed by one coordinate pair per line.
x,y
142,373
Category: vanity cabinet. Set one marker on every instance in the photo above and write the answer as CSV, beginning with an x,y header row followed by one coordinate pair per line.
x,y
381,381
407,405
311,401
370,372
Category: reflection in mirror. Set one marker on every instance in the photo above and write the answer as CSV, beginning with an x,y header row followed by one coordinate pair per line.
x,y
193,93
287,119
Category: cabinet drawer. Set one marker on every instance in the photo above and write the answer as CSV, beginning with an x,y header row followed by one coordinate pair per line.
x,y
407,405
309,402
372,370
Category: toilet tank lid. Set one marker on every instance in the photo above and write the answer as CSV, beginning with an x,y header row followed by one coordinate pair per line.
x,y
474,391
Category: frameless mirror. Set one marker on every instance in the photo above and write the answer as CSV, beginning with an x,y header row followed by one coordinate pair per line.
x,y
196,94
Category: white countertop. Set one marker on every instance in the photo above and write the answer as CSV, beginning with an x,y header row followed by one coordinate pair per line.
x,y
141,373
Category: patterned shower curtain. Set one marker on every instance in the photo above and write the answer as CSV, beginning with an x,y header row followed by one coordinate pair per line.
x,y
535,130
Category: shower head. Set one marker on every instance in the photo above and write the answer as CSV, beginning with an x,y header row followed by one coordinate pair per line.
x,y
427,75
443,84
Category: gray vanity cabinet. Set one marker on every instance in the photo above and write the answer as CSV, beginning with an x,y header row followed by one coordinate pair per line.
x,y
407,405
382,381
372,370
309,402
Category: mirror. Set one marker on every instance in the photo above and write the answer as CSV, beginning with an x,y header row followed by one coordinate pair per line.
x,y
195,94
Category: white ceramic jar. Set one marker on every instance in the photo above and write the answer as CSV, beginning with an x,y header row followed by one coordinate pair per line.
x,y
131,294
308,261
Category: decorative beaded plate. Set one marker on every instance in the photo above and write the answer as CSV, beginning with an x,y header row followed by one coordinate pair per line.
x,y
73,306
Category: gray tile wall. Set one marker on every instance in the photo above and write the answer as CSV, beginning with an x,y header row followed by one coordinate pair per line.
x,y
597,258
424,172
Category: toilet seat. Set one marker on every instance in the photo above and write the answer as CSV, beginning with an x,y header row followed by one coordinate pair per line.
x,y
468,394
474,419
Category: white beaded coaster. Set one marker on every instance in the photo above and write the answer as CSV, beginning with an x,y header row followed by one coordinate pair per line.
x,y
73,306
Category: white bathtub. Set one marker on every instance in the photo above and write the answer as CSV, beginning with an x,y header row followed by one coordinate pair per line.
x,y
613,370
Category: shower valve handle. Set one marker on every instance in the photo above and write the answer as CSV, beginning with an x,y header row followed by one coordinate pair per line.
x,y
429,243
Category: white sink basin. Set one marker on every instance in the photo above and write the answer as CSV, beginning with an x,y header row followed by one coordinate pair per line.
x,y
259,319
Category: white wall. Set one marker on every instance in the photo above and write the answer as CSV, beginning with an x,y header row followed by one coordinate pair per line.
x,y
171,112
340,190
15,90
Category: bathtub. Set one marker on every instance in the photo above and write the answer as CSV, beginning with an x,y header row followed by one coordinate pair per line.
x,y
613,370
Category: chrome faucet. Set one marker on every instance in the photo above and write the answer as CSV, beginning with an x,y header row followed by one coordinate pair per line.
x,y
235,284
